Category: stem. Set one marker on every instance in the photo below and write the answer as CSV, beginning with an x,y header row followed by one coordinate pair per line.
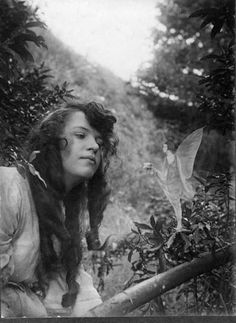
x,y
195,294
162,268
223,302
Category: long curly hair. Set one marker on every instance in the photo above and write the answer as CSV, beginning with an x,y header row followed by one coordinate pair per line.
x,y
91,195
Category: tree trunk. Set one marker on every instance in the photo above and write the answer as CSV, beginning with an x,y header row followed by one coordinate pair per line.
x,y
135,296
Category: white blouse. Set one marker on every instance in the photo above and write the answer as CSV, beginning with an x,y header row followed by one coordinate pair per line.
x,y
19,245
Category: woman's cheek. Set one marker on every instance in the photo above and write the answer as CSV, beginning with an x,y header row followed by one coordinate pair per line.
x,y
67,148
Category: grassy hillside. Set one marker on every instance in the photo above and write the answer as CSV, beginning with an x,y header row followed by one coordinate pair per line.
x,y
140,141
136,129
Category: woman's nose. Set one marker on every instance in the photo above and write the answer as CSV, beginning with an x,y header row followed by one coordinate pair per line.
x,y
92,144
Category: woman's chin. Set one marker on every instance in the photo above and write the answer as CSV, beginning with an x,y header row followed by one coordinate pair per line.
x,y
87,174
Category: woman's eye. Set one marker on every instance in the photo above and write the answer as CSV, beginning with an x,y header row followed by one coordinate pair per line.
x,y
80,135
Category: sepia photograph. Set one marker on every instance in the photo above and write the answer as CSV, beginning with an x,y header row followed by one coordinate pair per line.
x,y
117,160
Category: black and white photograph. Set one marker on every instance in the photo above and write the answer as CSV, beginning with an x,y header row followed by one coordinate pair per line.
x,y
117,160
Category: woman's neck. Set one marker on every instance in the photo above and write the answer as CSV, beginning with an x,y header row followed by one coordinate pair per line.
x,y
70,182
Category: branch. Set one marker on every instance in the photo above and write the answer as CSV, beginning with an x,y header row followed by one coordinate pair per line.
x,y
135,296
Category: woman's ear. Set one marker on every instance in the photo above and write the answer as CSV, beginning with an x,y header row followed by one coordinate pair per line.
x,y
63,143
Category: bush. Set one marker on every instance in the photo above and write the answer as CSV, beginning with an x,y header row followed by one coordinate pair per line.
x,y
210,225
209,221
25,91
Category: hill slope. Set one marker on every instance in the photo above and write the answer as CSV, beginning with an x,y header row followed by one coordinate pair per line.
x,y
136,129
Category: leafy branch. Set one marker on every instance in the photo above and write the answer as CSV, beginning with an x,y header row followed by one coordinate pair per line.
x,y
25,90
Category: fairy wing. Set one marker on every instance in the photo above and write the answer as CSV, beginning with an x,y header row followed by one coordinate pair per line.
x,y
186,153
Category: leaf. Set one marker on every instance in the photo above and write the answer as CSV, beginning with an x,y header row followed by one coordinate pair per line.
x,y
158,225
205,22
170,240
130,255
178,296
196,236
208,226
201,226
186,240
34,172
134,231
152,239
8,134
217,27
152,221
143,226
41,42
151,272
33,155
35,24
24,54
26,37
154,249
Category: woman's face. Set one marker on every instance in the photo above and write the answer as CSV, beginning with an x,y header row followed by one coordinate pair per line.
x,y
82,156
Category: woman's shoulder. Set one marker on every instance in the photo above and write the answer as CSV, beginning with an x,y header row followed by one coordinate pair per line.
x,y
10,175
13,193
10,171
12,183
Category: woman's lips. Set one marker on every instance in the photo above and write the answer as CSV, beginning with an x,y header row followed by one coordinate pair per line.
x,y
89,158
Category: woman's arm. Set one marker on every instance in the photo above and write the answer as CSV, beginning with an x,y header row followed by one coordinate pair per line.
x,y
9,224
87,297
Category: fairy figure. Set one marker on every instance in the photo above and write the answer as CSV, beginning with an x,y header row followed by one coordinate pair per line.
x,y
175,171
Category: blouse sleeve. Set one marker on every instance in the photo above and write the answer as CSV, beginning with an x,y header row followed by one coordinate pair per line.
x,y
9,226
86,299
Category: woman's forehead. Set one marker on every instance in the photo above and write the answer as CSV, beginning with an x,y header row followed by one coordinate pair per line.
x,y
78,120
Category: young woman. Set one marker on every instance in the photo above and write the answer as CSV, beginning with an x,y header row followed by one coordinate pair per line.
x,y
43,210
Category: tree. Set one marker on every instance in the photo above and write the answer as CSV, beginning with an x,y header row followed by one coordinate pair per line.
x,y
216,96
177,64
25,92
177,51
211,214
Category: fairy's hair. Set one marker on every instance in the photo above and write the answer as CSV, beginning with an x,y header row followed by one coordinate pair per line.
x,y
91,194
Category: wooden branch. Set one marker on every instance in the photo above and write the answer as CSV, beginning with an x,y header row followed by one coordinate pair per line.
x,y
133,297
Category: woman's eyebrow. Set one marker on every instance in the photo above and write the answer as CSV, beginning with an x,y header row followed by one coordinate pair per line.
x,y
80,128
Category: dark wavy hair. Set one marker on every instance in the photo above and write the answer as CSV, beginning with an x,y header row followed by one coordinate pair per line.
x,y
91,195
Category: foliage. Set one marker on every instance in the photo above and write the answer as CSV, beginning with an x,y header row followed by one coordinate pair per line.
x,y
170,81
15,34
209,221
105,259
209,225
25,92
216,99
176,64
